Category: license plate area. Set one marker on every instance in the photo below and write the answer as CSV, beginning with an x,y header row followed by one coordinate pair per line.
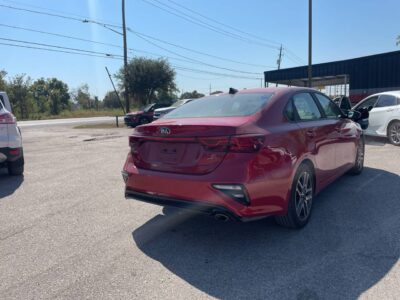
x,y
170,153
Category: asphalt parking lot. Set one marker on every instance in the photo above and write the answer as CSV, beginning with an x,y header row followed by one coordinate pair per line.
x,y
66,231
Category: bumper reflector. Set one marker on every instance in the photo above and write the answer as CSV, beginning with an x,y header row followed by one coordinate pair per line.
x,y
125,176
236,192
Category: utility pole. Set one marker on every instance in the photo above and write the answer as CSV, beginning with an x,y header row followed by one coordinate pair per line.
x,y
279,60
210,89
115,90
309,43
126,94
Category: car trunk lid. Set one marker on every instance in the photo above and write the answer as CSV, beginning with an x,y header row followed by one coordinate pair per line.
x,y
184,146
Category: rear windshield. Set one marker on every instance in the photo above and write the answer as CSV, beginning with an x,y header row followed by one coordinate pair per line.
x,y
221,106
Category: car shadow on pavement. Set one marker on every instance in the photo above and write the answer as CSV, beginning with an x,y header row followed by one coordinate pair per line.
x,y
9,184
350,244
376,140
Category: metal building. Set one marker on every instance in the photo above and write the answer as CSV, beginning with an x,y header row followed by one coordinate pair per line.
x,y
360,76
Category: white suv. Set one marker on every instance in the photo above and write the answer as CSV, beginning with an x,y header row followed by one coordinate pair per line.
x,y
11,153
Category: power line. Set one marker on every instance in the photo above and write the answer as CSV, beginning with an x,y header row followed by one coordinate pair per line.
x,y
53,10
195,60
201,23
295,57
107,25
195,51
56,50
84,20
60,35
215,73
185,58
107,55
220,23
60,47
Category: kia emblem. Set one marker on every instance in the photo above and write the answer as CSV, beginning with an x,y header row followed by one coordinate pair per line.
x,y
165,130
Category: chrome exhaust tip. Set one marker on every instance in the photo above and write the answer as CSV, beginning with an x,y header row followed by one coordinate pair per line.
x,y
221,217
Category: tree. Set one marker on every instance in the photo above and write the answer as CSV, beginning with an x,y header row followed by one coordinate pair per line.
x,y
51,95
166,97
111,100
3,82
147,77
18,92
192,95
82,96
40,94
59,96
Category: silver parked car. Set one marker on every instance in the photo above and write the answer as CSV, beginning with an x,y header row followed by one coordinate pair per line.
x,y
11,152
160,112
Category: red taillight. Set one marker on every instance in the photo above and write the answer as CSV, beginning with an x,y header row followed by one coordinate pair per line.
x,y
14,152
215,144
7,118
134,143
244,144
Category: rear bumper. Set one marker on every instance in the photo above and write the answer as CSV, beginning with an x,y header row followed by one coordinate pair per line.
x,y
10,154
267,195
200,206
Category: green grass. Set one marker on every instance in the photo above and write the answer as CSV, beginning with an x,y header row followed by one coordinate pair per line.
x,y
83,113
98,126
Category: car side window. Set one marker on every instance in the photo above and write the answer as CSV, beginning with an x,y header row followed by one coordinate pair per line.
x,y
345,104
386,100
368,102
289,111
306,107
2,100
331,110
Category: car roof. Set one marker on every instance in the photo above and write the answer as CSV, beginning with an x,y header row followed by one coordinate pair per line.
x,y
393,93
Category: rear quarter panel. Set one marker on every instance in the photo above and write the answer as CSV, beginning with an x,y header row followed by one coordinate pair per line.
x,y
14,136
3,135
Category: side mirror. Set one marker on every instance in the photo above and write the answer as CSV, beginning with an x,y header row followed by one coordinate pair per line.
x,y
354,115
361,117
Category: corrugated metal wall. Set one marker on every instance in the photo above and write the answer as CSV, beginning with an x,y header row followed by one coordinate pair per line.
x,y
365,73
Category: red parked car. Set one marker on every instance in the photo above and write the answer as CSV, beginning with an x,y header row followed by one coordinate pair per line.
x,y
143,116
245,155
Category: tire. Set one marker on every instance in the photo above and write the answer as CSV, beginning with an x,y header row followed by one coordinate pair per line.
x,y
143,121
301,196
393,133
16,168
359,164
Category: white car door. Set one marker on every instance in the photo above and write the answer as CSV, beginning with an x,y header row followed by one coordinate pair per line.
x,y
382,113
370,101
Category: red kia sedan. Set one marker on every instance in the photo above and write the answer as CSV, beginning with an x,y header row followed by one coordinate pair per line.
x,y
245,155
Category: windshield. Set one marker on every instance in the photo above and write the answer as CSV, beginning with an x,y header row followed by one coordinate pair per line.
x,y
147,107
222,106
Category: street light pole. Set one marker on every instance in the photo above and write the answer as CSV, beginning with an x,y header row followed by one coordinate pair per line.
x,y
309,43
126,94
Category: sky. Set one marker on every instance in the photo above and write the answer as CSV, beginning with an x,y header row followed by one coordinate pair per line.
x,y
247,37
